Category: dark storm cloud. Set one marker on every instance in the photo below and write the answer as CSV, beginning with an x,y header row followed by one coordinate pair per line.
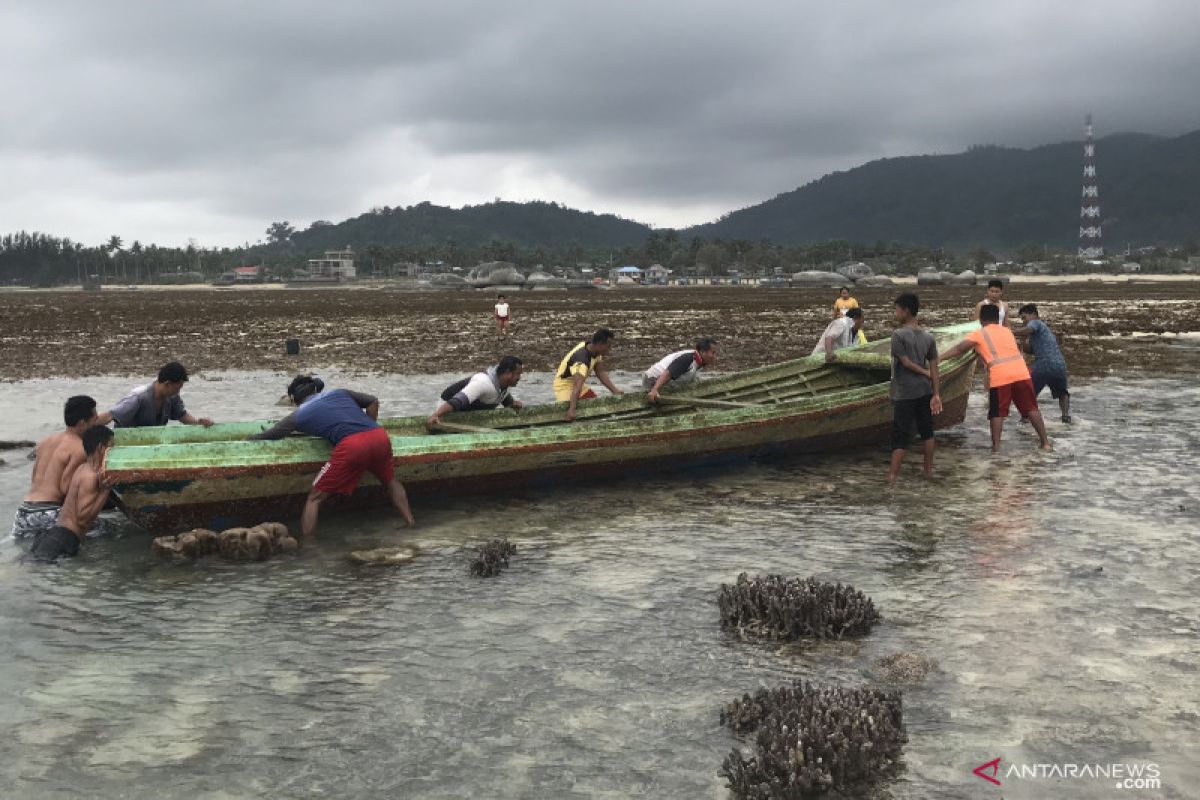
x,y
164,120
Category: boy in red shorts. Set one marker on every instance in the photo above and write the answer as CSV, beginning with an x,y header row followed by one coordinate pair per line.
x,y
347,420
1008,377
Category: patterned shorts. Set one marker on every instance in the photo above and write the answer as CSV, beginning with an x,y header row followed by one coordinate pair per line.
x,y
33,518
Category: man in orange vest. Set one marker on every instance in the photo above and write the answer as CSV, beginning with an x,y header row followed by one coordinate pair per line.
x,y
1008,378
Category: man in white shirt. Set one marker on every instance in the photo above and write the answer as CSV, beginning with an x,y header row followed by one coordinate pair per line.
x,y
840,333
682,366
483,390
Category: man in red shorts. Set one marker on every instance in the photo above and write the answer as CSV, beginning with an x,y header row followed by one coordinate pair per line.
x,y
347,420
1008,377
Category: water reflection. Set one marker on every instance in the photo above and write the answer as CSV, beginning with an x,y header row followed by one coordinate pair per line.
x,y
595,666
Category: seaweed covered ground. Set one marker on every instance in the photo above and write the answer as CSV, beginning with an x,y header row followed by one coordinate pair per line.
x,y
1127,328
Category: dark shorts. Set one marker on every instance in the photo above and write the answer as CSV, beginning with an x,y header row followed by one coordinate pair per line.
x,y
51,545
368,451
1055,379
906,414
1020,394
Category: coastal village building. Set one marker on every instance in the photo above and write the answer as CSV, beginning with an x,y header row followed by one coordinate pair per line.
x,y
657,274
338,264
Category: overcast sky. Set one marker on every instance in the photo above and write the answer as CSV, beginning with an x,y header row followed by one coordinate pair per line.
x,y
162,121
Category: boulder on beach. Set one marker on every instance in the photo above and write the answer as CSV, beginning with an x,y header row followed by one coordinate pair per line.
x,y
855,271
817,278
933,278
875,280
544,280
965,278
448,280
506,275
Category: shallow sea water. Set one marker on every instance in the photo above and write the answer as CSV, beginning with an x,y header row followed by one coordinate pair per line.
x,y
595,666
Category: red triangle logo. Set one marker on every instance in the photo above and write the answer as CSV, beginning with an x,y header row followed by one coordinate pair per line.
x,y
992,767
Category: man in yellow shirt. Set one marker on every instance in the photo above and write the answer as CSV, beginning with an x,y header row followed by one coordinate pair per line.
x,y
575,367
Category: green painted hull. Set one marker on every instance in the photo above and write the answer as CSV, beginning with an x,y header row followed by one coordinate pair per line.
x,y
178,477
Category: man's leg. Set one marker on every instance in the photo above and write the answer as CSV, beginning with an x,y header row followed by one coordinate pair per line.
x,y
308,519
1026,402
997,424
928,446
1064,405
894,467
1039,425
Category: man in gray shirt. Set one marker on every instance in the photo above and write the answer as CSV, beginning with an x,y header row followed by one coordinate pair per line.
x,y
916,390
155,403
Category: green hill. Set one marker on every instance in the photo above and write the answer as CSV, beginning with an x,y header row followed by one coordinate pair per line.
x,y
535,224
989,196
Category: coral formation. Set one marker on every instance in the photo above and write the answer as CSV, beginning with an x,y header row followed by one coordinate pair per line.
x,y
236,544
492,558
778,608
812,739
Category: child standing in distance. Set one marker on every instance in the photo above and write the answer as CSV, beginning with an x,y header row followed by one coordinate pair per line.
x,y
916,390
843,303
502,314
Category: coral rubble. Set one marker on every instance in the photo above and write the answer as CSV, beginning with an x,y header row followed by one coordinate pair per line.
x,y
812,739
492,558
778,608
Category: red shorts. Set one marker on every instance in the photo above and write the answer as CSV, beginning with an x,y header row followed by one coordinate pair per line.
x,y
501,319
368,451
1020,393
587,394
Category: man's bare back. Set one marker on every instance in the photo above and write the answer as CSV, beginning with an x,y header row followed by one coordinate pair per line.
x,y
58,456
85,500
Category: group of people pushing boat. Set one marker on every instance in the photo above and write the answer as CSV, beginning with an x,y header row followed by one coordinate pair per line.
x,y
69,487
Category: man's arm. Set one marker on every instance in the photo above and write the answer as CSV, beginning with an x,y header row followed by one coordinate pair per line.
x,y
975,313
436,417
662,381
935,403
957,350
279,430
188,419
829,354
913,366
576,390
104,418
369,403
602,376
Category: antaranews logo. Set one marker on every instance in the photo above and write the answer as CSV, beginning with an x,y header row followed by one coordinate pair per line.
x,y
1125,775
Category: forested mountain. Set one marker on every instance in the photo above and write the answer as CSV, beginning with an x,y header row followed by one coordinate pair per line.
x,y
535,224
989,196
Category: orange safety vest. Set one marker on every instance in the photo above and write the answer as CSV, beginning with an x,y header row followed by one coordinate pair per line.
x,y
998,348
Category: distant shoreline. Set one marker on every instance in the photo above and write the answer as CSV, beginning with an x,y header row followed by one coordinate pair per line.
x,y
902,280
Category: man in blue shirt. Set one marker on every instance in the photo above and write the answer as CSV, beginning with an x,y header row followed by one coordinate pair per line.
x,y
346,420
1049,368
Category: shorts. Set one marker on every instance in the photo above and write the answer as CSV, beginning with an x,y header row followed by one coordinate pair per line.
x,y
906,413
366,451
34,517
1055,379
1020,394
50,545
501,319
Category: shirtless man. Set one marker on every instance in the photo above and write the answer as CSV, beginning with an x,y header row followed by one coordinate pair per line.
x,y
995,297
57,456
85,498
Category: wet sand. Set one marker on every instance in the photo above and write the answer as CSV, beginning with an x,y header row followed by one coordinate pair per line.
x,y
1129,328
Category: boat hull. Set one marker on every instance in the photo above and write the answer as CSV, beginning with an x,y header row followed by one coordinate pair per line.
x,y
221,492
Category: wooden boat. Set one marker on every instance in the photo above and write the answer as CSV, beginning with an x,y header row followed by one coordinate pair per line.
x,y
177,477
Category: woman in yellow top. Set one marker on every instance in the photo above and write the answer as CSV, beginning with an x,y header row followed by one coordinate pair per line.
x,y
843,304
